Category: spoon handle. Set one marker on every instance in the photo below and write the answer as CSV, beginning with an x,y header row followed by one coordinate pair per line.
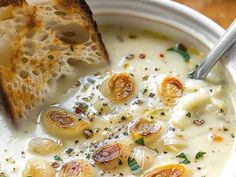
x,y
224,43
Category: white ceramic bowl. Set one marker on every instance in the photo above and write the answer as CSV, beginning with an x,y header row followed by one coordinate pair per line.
x,y
176,20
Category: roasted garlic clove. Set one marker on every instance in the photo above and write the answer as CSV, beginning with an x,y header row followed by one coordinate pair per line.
x,y
111,156
119,88
38,168
64,124
171,90
172,170
44,146
77,168
148,130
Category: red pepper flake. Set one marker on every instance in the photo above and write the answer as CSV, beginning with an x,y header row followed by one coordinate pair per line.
x,y
216,138
142,56
162,55
78,110
81,108
55,165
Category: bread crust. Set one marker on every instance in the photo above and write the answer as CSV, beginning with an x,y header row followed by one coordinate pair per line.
x,y
4,3
6,101
18,100
72,4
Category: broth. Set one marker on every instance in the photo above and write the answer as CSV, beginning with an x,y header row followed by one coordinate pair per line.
x,y
200,122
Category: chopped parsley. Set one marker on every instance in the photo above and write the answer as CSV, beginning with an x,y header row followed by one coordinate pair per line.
x,y
88,99
199,155
184,157
85,87
91,81
145,91
188,115
133,165
69,151
145,77
232,135
57,158
140,141
130,57
184,54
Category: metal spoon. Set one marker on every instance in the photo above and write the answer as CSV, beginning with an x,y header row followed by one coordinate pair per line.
x,y
221,47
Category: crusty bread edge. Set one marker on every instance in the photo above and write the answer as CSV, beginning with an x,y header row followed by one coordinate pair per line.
x,y
87,9
6,102
4,3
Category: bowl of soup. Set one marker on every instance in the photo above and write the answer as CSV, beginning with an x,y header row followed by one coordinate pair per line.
x,y
140,115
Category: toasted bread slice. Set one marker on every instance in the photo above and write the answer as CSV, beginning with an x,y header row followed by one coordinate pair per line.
x,y
36,43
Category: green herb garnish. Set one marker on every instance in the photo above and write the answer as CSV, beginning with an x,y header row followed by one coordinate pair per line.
x,y
145,91
91,81
184,54
88,99
57,158
69,151
85,87
184,157
133,165
199,155
140,141
188,115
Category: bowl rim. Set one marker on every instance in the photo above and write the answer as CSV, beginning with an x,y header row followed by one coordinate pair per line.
x,y
184,10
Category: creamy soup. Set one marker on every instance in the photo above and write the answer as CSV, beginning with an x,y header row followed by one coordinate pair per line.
x,y
139,116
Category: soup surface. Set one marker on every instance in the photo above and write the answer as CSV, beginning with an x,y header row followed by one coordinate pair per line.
x,y
139,116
